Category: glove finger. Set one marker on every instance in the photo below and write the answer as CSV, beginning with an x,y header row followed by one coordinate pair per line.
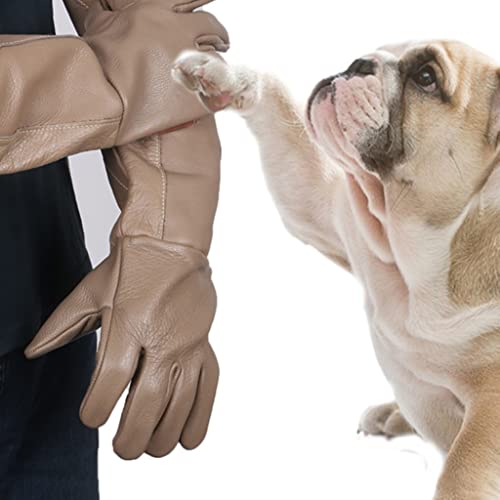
x,y
211,42
190,6
117,361
169,430
77,315
196,426
208,24
149,396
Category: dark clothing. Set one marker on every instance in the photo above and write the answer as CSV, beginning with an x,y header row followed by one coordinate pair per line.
x,y
45,451
42,256
26,17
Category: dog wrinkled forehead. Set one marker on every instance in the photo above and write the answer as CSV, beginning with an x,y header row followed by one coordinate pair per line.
x,y
415,51
457,52
463,71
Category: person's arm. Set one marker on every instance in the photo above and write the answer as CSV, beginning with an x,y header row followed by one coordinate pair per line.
x,y
63,95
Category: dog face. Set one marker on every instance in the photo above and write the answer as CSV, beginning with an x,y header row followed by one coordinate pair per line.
x,y
424,119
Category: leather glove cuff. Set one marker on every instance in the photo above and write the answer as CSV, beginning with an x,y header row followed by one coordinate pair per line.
x,y
167,185
56,101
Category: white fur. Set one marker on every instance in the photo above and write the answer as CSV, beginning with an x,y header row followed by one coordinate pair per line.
x,y
418,334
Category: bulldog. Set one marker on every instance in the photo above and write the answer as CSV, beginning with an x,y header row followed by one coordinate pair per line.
x,y
393,172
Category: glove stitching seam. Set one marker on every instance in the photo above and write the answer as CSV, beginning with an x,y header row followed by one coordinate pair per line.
x,y
164,187
24,41
62,126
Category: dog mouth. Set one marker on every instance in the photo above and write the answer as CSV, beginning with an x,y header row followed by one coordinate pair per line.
x,y
347,115
360,67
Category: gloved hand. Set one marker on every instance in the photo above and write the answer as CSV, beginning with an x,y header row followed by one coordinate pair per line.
x,y
156,303
137,43
153,295
62,95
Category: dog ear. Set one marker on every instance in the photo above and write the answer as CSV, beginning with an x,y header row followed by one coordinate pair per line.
x,y
494,127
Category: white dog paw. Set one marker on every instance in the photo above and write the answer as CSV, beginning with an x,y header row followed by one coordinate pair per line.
x,y
218,84
384,420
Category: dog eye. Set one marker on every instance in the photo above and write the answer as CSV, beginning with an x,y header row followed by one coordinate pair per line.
x,y
426,78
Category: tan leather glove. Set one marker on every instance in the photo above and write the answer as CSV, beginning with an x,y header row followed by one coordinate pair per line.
x,y
153,296
62,95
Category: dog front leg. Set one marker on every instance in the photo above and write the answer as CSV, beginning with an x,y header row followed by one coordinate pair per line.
x,y
472,468
305,185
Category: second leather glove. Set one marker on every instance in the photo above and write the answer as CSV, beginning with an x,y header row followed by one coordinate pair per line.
x,y
156,303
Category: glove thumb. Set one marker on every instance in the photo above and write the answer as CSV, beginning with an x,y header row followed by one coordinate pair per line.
x,y
78,315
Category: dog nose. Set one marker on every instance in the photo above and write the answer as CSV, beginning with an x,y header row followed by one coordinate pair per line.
x,y
362,67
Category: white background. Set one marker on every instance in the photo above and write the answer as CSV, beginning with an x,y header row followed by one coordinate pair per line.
x,y
297,368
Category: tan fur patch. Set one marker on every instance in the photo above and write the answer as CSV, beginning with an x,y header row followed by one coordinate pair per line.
x,y
474,274
448,155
